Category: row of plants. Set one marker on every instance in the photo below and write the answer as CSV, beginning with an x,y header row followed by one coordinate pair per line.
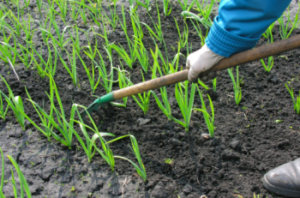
x,y
95,10
23,183
135,44
56,125
100,18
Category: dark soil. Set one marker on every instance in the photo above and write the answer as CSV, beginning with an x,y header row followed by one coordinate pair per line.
x,y
248,142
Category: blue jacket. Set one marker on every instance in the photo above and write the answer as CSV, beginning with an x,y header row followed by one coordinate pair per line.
x,y
241,23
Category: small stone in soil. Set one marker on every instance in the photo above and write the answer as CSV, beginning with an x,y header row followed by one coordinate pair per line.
x,y
205,135
187,189
159,192
142,121
235,145
230,155
181,135
175,142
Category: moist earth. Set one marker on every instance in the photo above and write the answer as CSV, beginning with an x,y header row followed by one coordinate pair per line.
x,y
248,140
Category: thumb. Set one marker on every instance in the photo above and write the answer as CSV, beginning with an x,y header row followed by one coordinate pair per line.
x,y
187,63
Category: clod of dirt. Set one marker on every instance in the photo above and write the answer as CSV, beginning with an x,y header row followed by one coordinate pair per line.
x,y
283,143
187,189
230,155
159,192
235,145
142,121
175,142
165,168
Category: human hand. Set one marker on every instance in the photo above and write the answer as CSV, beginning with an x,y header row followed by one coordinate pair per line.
x,y
200,61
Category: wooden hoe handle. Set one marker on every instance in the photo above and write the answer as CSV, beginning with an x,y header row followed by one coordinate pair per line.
x,y
236,59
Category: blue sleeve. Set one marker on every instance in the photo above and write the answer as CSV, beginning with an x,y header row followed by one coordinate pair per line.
x,y
241,23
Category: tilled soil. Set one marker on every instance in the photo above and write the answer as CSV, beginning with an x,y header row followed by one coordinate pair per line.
x,y
248,141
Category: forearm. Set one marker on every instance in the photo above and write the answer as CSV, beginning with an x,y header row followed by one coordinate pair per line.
x,y
241,23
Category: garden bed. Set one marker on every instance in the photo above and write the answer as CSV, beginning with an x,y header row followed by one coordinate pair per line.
x,y
251,138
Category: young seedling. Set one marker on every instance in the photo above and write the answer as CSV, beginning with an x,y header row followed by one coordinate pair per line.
x,y
200,82
6,50
15,103
269,65
74,11
167,10
183,39
107,79
268,34
122,84
3,110
175,63
199,31
93,8
89,142
75,41
136,27
236,85
60,41
142,55
127,58
185,103
44,119
24,55
184,5
40,64
107,153
284,28
139,168
145,5
63,9
214,82
91,75
205,10
82,13
113,21
131,45
164,105
39,6
22,180
167,67
61,125
296,101
144,97
16,27
45,27
164,62
158,34
3,14
72,61
132,7
52,62
169,161
209,119
24,25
